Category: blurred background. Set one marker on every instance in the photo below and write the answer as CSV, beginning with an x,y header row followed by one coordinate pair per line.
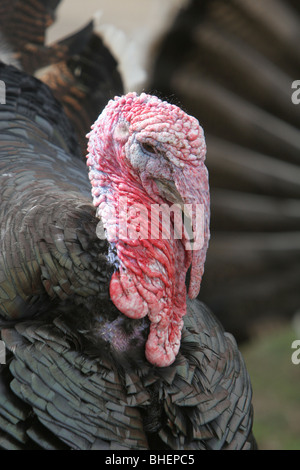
x,y
231,63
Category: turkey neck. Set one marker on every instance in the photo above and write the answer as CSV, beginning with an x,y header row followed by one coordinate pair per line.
x,y
150,275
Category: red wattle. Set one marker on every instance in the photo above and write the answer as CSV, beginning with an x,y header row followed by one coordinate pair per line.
x,y
126,297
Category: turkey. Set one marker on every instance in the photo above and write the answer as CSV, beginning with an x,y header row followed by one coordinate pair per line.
x,y
232,64
104,349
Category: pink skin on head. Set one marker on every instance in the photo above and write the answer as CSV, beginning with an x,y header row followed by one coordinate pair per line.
x,y
138,146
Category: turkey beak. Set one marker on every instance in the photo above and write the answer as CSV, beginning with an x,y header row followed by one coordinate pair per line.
x,y
192,195
169,192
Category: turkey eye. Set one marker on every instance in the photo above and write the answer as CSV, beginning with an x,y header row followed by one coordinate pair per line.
x,y
148,148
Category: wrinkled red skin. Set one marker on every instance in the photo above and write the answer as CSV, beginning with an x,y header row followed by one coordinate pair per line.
x,y
151,277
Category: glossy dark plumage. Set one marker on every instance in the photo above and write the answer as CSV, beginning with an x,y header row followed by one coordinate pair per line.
x,y
55,395
65,383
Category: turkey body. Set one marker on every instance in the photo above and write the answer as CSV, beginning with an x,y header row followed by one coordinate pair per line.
x,y
76,376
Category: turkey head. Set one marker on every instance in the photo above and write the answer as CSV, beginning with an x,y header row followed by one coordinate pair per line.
x,y
146,161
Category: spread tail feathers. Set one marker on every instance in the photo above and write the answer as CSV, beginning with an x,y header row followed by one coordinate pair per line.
x,y
27,44
126,52
85,80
